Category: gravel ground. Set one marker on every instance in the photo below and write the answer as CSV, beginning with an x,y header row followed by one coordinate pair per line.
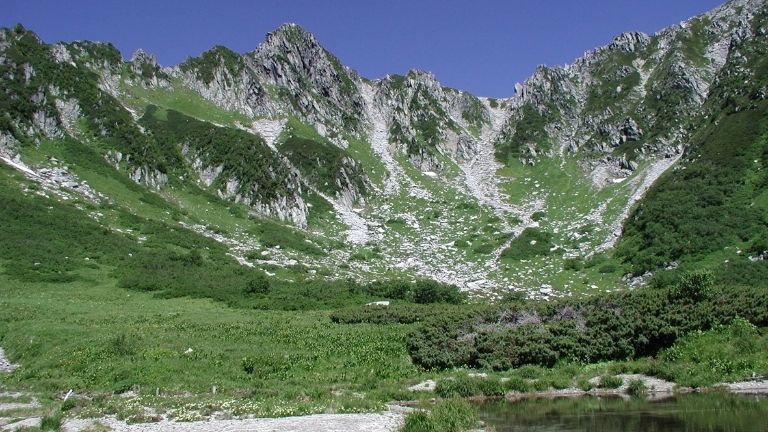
x,y
384,422
758,386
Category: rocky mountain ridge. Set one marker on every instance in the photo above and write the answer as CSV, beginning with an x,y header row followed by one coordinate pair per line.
x,y
290,133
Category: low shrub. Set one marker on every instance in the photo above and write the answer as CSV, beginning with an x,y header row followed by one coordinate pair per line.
x,y
453,415
636,387
610,382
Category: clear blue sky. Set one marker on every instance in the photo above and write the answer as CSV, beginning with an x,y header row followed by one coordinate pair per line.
x,y
483,46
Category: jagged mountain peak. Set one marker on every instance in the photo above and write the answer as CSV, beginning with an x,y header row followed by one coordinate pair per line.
x,y
140,57
292,33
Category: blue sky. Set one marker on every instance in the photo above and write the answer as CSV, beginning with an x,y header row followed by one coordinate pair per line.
x,y
483,46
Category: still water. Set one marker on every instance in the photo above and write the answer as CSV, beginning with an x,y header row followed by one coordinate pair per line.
x,y
713,412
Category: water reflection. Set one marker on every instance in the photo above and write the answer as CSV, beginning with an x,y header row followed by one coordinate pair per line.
x,y
713,412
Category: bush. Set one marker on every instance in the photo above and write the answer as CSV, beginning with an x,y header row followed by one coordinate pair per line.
x,y
258,285
694,286
429,291
248,364
573,264
610,382
419,421
448,416
516,384
51,422
466,386
530,243
462,386
585,385
636,387
616,326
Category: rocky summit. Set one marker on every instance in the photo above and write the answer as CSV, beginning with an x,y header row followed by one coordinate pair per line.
x,y
642,155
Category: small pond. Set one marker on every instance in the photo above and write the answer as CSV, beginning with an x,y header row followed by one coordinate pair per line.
x,y
721,412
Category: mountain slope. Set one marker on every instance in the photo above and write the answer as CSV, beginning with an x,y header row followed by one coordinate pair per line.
x,y
402,176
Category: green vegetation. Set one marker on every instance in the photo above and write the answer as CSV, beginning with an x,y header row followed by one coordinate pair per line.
x,y
103,115
243,157
129,292
325,165
530,243
617,78
452,415
721,178
529,131
720,182
610,382
429,119
730,352
609,327
210,61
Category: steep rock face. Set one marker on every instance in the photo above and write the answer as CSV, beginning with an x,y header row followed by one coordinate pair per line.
x,y
223,77
311,81
632,99
236,164
289,73
143,68
424,119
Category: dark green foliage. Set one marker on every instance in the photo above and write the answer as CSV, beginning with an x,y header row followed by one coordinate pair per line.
x,y
725,353
453,415
104,116
465,386
205,66
675,220
610,382
610,327
121,345
393,314
329,168
532,242
431,299
428,291
636,387
419,421
710,201
244,157
275,234
529,130
51,422
695,286
45,241
574,264
258,285
422,291
248,364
